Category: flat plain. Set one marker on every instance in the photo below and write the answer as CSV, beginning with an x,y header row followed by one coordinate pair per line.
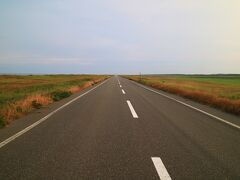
x,y
220,91
20,94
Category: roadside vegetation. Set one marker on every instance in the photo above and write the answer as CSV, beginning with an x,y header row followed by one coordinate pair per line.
x,y
220,91
20,94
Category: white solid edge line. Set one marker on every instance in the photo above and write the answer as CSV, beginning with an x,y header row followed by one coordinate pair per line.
x,y
11,138
134,114
161,169
192,107
123,91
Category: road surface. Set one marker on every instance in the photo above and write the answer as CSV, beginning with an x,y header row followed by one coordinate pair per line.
x,y
121,130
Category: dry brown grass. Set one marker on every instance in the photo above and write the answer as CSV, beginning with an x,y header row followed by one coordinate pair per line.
x,y
206,98
207,93
16,106
24,106
76,89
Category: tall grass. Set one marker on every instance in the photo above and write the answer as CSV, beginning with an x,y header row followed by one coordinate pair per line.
x,y
19,95
217,91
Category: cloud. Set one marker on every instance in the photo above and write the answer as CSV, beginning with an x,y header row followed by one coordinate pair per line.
x,y
169,36
37,60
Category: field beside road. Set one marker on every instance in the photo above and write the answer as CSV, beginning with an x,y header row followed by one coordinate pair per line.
x,y
220,91
20,94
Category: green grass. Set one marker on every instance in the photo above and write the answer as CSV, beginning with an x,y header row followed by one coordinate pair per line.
x,y
224,80
35,105
13,88
2,122
19,94
223,86
222,91
58,95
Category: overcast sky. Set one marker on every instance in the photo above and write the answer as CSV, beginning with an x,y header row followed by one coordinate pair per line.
x,y
120,36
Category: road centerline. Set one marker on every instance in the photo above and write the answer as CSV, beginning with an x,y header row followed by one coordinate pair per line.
x,y
134,114
118,81
123,91
160,168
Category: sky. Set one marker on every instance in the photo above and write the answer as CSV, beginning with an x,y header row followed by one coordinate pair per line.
x,y
120,36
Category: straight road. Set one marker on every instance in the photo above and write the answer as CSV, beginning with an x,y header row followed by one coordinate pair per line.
x,y
120,130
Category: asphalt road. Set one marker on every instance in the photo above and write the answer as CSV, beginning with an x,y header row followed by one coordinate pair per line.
x,y
120,130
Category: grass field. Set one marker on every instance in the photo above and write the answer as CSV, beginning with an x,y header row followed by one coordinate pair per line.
x,y
221,91
21,94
